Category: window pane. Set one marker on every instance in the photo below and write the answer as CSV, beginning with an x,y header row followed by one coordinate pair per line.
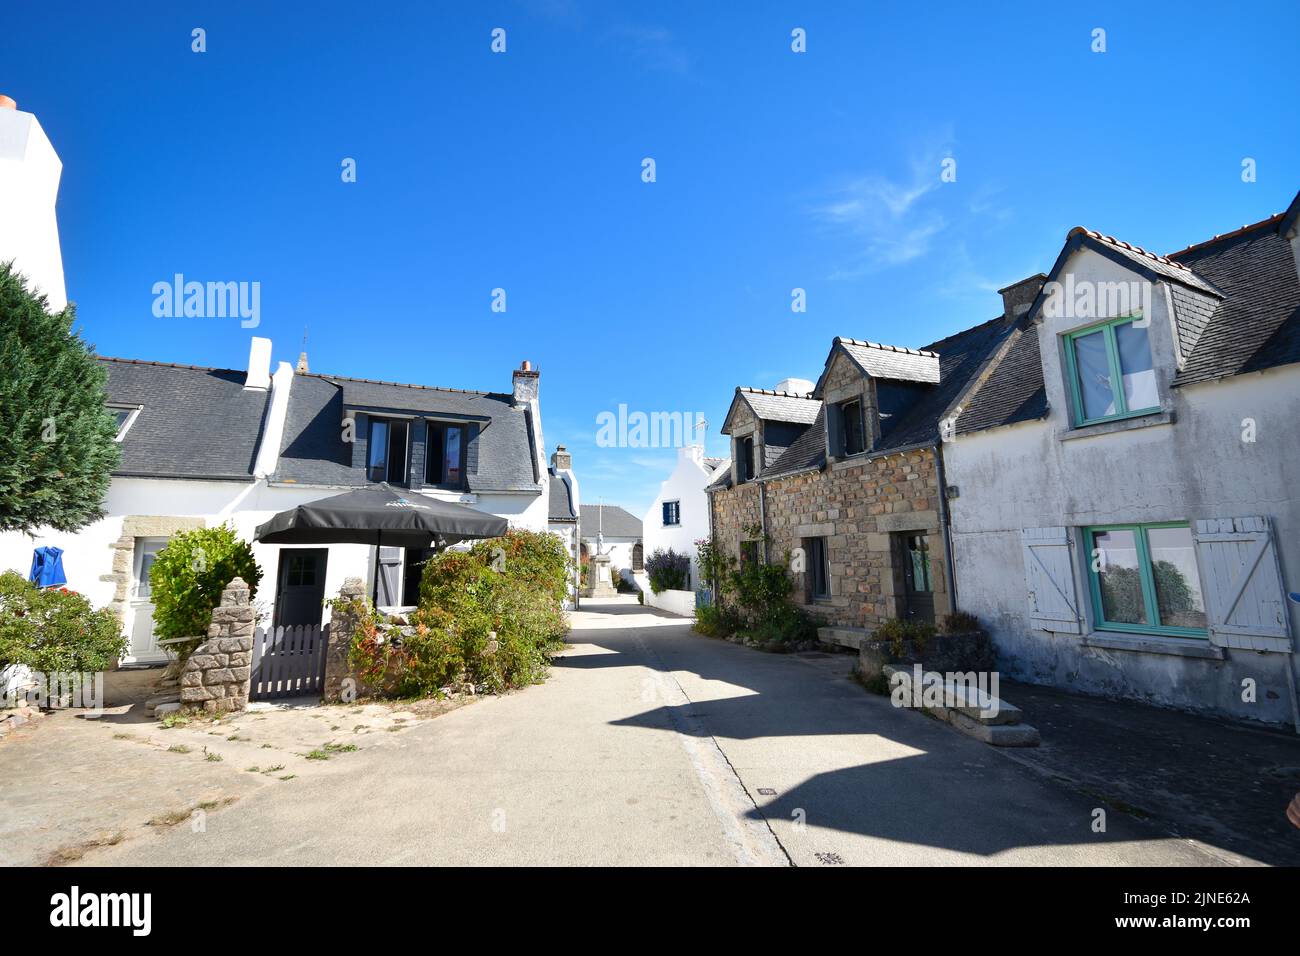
x,y
918,553
1178,585
1136,365
378,451
1115,559
434,447
397,451
452,456
1094,375
851,413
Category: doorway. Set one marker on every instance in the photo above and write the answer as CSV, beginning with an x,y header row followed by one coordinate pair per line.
x,y
143,648
300,586
918,580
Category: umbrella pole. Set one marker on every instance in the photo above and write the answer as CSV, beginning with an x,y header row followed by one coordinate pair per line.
x,y
374,594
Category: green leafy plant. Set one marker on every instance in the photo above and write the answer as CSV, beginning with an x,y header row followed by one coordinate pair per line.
x,y
716,620
905,635
57,448
668,570
54,630
491,616
188,577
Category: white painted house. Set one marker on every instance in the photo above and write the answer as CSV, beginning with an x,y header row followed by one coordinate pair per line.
x,y
562,516
1125,481
679,515
615,531
203,446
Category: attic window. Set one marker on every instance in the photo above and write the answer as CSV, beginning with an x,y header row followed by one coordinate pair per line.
x,y
124,416
853,441
745,458
1111,371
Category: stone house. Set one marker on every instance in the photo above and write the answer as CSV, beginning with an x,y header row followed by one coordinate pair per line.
x,y
844,478
1129,480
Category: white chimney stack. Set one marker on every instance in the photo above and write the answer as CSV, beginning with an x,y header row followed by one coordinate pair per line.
x,y
30,170
795,386
259,364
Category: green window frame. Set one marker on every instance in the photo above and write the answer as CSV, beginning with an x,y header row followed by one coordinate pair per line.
x,y
1078,412
1151,606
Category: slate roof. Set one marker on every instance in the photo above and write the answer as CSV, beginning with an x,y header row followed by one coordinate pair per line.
x,y
1257,326
779,406
313,450
1162,266
195,422
614,521
887,361
561,502
1014,389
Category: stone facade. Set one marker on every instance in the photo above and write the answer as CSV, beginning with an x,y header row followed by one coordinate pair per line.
x,y
138,526
215,677
861,506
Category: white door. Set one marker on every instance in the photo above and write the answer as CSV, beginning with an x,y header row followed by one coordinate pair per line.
x,y
143,648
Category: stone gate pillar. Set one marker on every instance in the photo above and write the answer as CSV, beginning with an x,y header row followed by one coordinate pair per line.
x,y
344,622
215,677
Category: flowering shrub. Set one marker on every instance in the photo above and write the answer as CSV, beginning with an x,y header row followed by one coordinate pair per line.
x,y
491,616
54,630
668,570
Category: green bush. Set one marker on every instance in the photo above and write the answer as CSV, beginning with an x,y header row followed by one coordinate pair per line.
x,y
905,635
188,577
512,587
54,630
716,620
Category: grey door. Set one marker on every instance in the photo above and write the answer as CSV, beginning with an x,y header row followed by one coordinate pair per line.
x,y
300,594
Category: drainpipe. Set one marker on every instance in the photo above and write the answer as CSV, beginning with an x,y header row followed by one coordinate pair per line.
x,y
945,519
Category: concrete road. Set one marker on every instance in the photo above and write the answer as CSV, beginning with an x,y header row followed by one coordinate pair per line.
x,y
652,745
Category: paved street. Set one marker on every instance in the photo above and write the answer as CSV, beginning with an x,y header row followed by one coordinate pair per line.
x,y
652,745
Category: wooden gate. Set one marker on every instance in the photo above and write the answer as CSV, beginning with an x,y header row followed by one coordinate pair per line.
x,y
288,661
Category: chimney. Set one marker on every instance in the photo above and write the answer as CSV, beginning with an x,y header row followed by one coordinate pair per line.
x,y
259,364
525,384
795,386
30,170
561,460
1019,296
302,364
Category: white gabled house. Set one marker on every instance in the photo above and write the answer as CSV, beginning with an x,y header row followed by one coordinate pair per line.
x,y
1125,478
679,515
204,446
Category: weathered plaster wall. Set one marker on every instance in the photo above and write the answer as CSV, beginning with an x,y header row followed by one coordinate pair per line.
x,y
1198,466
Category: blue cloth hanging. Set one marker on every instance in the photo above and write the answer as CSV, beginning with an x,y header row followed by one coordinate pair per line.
x,y
47,567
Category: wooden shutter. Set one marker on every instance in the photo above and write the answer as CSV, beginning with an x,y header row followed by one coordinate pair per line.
x,y
1049,574
1242,581
834,431
470,440
390,577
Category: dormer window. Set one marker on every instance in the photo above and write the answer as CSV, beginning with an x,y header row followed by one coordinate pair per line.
x,y
853,429
745,458
1111,371
444,464
386,450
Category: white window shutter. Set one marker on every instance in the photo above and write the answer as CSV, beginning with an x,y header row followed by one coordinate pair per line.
x,y
1049,574
1242,581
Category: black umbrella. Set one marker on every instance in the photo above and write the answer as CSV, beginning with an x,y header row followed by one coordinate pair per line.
x,y
377,515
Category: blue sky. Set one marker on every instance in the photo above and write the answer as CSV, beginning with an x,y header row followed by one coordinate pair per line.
x,y
522,171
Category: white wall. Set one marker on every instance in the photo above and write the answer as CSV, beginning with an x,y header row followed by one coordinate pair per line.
x,y
30,170
675,602
686,484
1025,476
618,549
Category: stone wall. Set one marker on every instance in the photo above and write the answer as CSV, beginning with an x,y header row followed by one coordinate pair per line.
x,y
859,505
215,677
344,621
123,564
